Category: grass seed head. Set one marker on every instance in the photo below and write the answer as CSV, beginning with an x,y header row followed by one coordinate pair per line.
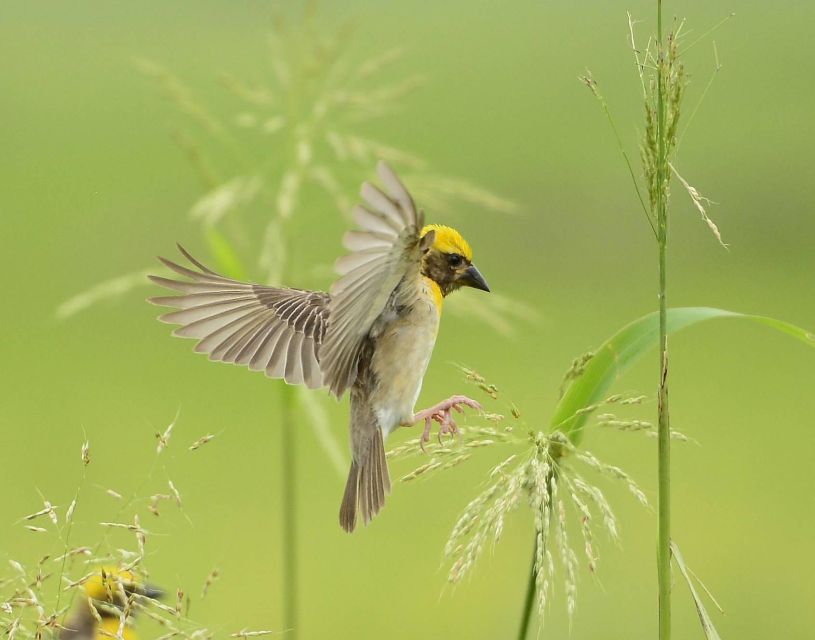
x,y
164,438
212,577
176,494
200,442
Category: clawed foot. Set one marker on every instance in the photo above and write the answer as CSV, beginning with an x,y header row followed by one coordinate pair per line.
x,y
443,414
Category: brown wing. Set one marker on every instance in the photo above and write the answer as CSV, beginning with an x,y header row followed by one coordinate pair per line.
x,y
278,331
384,251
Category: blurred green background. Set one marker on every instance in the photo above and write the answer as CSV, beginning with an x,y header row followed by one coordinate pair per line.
x,y
94,187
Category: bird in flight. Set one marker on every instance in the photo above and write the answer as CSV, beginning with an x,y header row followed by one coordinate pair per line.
x,y
372,335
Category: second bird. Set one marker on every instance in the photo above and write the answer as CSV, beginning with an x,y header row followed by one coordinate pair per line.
x,y
372,335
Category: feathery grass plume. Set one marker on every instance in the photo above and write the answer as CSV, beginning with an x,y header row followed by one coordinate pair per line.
x,y
663,81
113,288
612,421
700,202
471,376
459,447
575,371
544,473
546,478
442,457
92,582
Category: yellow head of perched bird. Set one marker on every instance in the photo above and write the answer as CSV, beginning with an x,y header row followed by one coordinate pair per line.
x,y
371,335
99,614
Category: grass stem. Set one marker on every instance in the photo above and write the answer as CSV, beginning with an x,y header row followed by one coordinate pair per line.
x,y
531,588
289,489
664,422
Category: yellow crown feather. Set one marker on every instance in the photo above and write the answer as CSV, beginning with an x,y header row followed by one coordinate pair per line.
x,y
448,240
104,585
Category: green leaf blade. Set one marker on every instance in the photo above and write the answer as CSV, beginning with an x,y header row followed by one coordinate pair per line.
x,y
225,255
704,617
621,350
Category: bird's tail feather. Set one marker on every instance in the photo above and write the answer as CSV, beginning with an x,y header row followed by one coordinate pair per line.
x,y
368,484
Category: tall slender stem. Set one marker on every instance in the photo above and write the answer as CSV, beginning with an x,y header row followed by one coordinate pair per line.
x,y
288,441
664,424
526,616
664,453
289,488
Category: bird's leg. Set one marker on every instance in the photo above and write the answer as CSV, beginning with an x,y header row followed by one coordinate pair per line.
x,y
443,414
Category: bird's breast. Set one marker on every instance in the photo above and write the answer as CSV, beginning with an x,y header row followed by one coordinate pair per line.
x,y
401,354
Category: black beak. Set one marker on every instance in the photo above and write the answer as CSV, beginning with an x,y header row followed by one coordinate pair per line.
x,y
472,278
151,591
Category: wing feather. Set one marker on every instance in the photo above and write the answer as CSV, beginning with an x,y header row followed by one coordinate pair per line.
x,y
193,275
279,331
365,240
243,337
210,310
305,337
276,367
399,193
367,219
192,299
202,327
192,287
294,360
260,361
311,367
378,201
370,257
385,254
210,342
252,346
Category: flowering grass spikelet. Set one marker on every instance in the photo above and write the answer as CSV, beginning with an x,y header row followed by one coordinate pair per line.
x,y
542,473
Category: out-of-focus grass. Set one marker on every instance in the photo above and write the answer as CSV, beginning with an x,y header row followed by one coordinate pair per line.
x,y
93,186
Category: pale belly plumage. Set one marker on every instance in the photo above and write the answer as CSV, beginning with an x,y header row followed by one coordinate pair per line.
x,y
401,356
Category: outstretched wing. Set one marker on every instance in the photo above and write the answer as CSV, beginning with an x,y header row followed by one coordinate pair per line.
x,y
384,250
278,331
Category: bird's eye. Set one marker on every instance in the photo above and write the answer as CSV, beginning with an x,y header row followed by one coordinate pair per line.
x,y
454,260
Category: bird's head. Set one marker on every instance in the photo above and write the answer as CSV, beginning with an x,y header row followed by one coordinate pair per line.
x,y
448,259
110,587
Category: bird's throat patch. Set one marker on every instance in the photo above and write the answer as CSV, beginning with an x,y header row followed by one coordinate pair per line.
x,y
435,290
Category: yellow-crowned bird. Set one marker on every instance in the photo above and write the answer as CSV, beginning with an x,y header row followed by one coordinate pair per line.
x,y
373,334
107,591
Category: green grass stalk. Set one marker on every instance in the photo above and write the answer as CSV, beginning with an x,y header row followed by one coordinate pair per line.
x,y
289,489
529,600
664,421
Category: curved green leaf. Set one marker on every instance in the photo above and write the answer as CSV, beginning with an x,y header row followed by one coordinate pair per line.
x,y
704,617
624,347
225,256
